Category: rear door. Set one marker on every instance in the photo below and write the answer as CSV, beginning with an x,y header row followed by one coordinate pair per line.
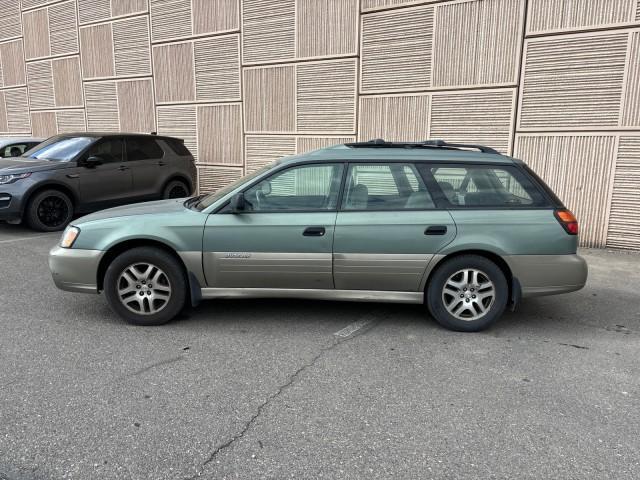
x,y
111,181
284,237
387,229
150,170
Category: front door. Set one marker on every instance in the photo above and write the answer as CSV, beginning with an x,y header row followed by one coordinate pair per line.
x,y
110,182
387,230
283,238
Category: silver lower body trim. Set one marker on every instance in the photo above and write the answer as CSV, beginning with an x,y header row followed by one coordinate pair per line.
x,y
315,294
548,274
75,270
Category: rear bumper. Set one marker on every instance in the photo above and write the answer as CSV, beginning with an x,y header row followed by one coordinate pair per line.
x,y
75,270
548,274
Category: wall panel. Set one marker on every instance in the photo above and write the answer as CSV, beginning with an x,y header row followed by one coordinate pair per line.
x,y
579,169
174,73
10,19
91,11
214,178
557,15
270,99
477,43
396,50
262,150
96,47
397,118
135,106
624,221
12,67
573,82
220,134
631,106
326,28
372,5
180,121
483,117
16,111
267,38
170,19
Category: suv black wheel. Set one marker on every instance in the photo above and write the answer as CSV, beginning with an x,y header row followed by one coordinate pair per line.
x,y
146,286
49,211
175,189
467,293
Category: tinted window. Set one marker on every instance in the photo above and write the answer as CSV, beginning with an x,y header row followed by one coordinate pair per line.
x,y
385,187
309,187
177,146
15,150
109,151
479,186
143,149
60,149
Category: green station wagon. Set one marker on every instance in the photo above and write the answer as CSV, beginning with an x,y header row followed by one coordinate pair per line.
x,y
460,228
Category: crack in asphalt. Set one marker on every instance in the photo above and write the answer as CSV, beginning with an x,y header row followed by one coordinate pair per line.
x,y
291,379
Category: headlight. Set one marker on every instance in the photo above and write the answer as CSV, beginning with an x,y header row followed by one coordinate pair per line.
x,y
69,237
4,179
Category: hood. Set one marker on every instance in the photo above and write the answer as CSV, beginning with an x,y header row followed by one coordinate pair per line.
x,y
147,208
24,165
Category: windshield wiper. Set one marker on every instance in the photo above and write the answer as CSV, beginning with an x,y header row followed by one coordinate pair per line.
x,y
193,200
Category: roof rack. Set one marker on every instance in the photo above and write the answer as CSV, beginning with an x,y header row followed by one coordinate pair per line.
x,y
381,143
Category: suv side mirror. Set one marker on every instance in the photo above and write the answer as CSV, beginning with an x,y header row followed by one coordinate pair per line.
x,y
92,161
238,203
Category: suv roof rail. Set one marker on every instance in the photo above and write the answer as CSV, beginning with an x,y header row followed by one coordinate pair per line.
x,y
381,143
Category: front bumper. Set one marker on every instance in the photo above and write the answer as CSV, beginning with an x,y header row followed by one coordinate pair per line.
x,y
75,270
548,274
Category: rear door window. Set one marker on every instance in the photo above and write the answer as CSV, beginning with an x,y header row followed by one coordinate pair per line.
x,y
393,186
486,186
143,149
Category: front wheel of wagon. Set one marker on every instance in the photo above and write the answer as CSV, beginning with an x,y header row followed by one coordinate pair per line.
x,y
146,286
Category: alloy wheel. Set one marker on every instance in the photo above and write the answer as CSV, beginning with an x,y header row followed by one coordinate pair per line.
x,y
143,288
53,211
468,294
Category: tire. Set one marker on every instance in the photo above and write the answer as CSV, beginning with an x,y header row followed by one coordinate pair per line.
x,y
49,211
130,293
176,189
454,297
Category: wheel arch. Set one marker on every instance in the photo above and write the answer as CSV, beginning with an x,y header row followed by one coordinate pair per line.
x,y
60,187
182,178
512,282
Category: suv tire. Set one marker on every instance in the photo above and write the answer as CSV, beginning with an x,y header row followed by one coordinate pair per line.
x,y
146,286
467,293
175,189
49,211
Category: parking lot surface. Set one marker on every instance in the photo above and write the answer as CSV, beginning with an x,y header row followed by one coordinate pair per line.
x,y
297,389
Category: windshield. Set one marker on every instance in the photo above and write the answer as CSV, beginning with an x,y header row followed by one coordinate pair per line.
x,y
59,149
210,199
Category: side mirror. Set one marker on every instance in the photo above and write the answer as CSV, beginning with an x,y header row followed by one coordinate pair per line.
x,y
238,203
92,161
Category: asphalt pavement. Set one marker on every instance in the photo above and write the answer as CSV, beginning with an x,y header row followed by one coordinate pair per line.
x,y
279,389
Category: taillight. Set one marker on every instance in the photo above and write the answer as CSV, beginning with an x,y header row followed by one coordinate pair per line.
x,y
568,221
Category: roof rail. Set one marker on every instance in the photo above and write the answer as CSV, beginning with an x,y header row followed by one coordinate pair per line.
x,y
381,143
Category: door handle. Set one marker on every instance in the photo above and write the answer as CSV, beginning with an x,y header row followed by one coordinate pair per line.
x,y
161,163
314,232
436,230
123,168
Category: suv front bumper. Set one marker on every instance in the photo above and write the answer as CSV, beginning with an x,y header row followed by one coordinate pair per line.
x,y
75,270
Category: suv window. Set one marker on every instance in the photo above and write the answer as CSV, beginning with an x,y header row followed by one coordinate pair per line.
x,y
482,186
393,186
110,150
177,146
15,150
306,187
143,149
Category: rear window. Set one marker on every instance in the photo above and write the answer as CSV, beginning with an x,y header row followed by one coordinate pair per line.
x,y
177,146
486,186
143,149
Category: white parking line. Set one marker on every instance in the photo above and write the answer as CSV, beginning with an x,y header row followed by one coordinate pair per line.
x,y
352,328
24,239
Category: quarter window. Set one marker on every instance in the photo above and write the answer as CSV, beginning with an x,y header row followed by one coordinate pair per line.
x,y
143,149
385,187
308,187
480,186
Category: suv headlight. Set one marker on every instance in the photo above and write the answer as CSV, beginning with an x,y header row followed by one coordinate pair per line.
x,y
69,237
4,179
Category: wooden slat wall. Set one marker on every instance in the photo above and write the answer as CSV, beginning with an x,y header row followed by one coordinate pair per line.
x,y
247,81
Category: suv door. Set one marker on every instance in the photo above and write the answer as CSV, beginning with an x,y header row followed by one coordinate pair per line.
x,y
283,238
149,169
387,229
110,182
